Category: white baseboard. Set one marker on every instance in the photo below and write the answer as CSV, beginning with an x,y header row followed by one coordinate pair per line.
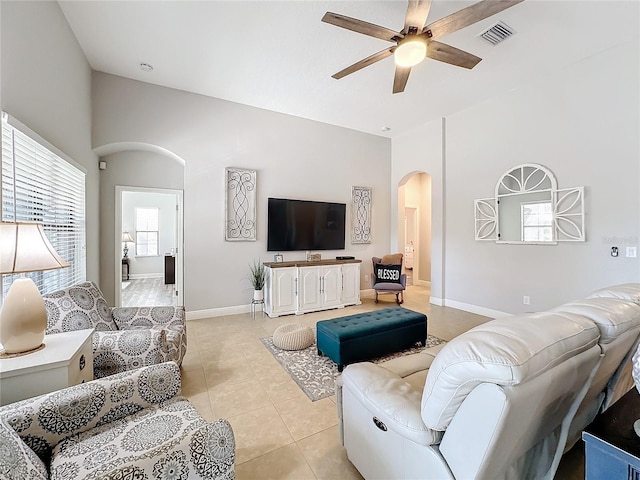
x,y
217,312
236,310
436,301
239,309
486,312
139,276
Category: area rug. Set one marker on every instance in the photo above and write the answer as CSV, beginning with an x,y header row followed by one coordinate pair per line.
x,y
316,375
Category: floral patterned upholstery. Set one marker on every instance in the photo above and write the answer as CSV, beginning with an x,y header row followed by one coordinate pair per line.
x,y
125,338
17,461
129,425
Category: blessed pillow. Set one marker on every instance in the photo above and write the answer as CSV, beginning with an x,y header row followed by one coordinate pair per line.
x,y
388,273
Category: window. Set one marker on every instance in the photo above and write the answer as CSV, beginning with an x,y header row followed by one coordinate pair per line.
x,y
537,221
146,232
39,185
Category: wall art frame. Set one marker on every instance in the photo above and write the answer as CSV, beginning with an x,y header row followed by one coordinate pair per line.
x,y
524,186
240,204
361,200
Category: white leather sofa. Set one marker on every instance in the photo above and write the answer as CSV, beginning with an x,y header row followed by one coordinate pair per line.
x,y
501,401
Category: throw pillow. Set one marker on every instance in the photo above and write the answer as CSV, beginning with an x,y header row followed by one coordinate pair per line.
x,y
388,273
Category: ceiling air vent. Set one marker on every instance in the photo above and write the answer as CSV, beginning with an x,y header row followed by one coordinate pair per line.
x,y
497,33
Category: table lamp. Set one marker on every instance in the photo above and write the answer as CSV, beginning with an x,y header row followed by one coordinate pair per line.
x,y
126,237
24,248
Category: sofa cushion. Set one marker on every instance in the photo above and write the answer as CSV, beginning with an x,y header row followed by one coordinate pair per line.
x,y
171,440
612,315
76,308
17,461
625,291
392,259
122,350
44,421
506,351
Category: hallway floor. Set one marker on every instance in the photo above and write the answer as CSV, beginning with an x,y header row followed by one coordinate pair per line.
x,y
147,292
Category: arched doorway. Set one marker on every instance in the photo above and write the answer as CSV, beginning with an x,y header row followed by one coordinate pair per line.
x,y
414,227
145,170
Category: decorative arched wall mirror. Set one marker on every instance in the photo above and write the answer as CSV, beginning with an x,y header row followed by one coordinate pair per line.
x,y
529,208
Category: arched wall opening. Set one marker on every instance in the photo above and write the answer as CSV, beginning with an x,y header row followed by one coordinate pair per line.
x,y
133,166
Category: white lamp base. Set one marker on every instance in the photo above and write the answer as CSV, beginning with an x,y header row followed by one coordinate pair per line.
x,y
23,318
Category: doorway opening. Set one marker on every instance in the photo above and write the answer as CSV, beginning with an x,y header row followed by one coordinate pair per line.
x,y
414,227
149,247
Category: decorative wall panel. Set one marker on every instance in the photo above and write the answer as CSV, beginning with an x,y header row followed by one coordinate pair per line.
x,y
240,207
361,215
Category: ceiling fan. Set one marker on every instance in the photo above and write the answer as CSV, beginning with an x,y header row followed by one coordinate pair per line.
x,y
416,41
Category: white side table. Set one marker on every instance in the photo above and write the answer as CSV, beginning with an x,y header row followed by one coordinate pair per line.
x,y
66,359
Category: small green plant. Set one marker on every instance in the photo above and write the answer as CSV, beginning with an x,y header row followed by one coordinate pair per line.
x,y
257,275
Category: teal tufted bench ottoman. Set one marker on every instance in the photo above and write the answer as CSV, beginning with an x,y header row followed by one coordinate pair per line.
x,y
364,336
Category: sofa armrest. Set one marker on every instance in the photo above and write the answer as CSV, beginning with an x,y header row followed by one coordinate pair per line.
x,y
43,421
390,399
122,350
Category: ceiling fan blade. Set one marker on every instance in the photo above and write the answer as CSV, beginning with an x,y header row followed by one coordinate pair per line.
x,y
467,16
400,79
417,12
360,26
376,57
448,54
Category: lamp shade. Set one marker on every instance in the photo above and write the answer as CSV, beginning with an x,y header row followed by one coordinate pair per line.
x,y
24,247
126,237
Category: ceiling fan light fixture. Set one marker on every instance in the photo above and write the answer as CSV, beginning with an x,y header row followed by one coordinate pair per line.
x,y
410,51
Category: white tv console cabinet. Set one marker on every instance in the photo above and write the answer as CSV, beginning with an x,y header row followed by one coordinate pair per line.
x,y
302,287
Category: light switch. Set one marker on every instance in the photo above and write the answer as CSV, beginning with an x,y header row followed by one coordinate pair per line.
x,y
631,252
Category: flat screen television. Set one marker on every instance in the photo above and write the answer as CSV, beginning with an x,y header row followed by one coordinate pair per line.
x,y
305,225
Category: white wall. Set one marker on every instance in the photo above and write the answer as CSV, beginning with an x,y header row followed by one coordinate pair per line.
x,y
150,266
581,122
46,85
294,158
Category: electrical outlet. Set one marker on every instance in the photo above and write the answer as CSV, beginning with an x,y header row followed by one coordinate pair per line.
x,y
366,277
631,252
526,300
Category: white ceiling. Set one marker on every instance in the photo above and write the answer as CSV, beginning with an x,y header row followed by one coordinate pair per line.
x,y
278,55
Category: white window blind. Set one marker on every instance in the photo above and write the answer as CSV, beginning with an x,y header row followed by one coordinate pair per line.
x,y
147,231
40,186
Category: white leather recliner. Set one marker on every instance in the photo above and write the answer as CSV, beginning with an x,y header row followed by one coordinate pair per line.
x,y
501,401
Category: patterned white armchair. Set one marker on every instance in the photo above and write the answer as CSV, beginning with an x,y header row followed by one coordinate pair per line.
x,y
132,425
125,337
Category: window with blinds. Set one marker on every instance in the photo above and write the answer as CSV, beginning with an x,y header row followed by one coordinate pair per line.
x,y
147,231
40,186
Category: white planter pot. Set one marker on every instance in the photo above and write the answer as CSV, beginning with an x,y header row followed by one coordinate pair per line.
x,y
258,295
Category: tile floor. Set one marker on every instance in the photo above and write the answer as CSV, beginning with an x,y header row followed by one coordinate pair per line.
x,y
280,433
147,292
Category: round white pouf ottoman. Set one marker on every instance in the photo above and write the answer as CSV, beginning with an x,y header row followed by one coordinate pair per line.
x,y
293,336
